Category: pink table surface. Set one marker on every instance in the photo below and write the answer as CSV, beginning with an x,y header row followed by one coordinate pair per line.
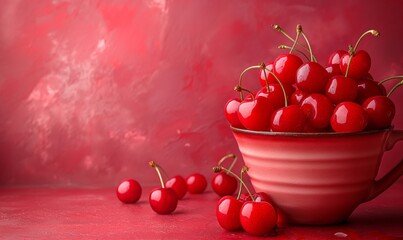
x,y
94,212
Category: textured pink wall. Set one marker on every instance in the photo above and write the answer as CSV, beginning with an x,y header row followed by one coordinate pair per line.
x,y
90,91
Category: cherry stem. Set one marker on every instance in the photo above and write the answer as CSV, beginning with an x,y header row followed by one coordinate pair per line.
x,y
240,185
279,29
390,78
394,88
297,50
245,169
239,88
231,155
155,166
352,50
296,37
313,58
264,68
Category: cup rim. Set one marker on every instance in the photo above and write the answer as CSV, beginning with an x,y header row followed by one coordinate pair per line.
x,y
308,134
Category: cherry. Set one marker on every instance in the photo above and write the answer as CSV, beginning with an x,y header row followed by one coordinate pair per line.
x,y
297,97
380,110
340,89
231,112
223,183
348,117
178,184
285,67
335,57
318,109
367,88
275,95
162,200
359,66
334,70
266,74
196,183
312,77
288,119
258,218
227,213
356,64
129,191
255,114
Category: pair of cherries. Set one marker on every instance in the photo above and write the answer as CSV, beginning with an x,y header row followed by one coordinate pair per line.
x,y
307,97
255,213
164,199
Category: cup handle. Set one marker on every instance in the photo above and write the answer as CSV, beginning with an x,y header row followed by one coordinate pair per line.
x,y
394,174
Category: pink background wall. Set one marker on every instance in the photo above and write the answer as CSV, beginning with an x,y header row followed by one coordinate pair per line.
x,y
90,91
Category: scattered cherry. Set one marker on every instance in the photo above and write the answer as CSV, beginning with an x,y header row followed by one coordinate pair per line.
x,y
258,218
178,184
223,183
196,183
129,191
227,213
162,200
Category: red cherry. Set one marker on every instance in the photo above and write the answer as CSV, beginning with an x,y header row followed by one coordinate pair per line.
x,y
129,191
348,117
297,97
163,200
341,89
368,88
224,184
285,67
312,77
275,96
196,183
334,70
231,112
227,213
270,77
335,57
178,184
288,119
318,108
254,114
380,110
258,218
359,66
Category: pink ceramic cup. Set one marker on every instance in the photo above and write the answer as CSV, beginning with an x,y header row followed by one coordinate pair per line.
x,y
318,178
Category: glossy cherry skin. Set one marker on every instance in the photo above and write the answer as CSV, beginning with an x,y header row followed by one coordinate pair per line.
x,y
163,200
254,114
297,97
270,77
348,117
359,66
288,119
341,89
275,95
258,218
196,183
312,77
285,67
227,213
224,184
178,184
231,112
335,57
380,110
129,191
334,70
318,108
368,88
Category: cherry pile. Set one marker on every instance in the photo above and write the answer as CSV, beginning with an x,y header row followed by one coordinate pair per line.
x,y
254,213
164,199
305,96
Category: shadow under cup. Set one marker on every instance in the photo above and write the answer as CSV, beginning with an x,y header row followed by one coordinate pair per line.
x,y
318,178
